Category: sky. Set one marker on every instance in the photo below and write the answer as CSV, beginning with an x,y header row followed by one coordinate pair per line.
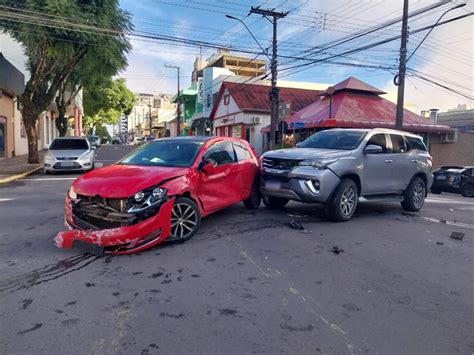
x,y
446,57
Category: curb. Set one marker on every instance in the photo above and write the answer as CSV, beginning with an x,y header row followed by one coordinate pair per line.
x,y
20,176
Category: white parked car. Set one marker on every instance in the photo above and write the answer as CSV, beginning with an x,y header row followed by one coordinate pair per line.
x,y
69,153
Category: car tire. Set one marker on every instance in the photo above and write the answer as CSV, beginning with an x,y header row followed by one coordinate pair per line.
x,y
255,198
414,195
343,202
275,203
468,190
436,191
185,220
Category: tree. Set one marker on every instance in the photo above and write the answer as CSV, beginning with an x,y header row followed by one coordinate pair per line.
x,y
56,36
107,103
96,67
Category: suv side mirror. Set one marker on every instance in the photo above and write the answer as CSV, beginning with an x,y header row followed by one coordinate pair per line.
x,y
46,146
373,149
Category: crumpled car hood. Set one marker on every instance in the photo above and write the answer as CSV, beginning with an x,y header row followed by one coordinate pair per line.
x,y
122,181
307,153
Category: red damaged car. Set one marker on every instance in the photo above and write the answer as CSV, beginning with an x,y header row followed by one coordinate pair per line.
x,y
158,192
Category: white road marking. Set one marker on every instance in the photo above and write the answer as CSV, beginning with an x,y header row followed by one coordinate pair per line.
x,y
50,179
457,224
7,199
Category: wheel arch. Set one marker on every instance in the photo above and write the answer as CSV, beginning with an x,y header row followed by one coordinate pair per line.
x,y
354,177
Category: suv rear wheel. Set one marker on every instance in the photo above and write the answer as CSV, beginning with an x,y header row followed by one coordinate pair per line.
x,y
414,195
273,202
343,203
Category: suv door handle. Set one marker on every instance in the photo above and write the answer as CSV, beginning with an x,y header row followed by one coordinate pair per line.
x,y
389,161
414,161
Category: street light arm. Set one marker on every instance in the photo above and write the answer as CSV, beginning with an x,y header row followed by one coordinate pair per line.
x,y
432,28
248,30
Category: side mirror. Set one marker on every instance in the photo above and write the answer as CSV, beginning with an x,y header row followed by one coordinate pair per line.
x,y
298,145
373,149
208,168
46,147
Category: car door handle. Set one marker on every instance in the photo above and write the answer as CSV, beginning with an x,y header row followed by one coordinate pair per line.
x,y
389,161
414,161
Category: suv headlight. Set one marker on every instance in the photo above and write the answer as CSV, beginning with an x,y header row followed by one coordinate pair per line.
x,y
146,199
72,193
49,156
318,164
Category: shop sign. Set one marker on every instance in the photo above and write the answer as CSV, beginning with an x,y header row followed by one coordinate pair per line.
x,y
227,120
200,87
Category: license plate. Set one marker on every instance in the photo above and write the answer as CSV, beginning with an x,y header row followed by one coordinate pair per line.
x,y
88,247
67,164
272,185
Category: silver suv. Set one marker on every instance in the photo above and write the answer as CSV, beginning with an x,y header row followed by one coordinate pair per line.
x,y
337,166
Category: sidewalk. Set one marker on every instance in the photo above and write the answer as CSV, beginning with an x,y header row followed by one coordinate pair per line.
x,y
16,168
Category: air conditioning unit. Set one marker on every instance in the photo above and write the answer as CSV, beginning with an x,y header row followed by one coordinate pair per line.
x,y
257,119
451,137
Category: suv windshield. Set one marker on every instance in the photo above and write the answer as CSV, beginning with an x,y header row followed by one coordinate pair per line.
x,y
341,140
69,144
174,153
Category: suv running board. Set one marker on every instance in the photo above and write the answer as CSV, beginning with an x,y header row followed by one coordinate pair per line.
x,y
382,198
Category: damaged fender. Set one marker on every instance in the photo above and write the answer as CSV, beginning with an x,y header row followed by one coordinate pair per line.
x,y
134,238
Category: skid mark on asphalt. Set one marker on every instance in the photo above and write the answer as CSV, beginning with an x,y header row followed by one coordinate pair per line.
x,y
46,273
334,328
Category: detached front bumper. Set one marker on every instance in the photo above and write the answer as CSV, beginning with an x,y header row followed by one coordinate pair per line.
x,y
121,240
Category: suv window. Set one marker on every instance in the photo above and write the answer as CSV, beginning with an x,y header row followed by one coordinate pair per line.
x,y
379,139
242,152
415,143
398,144
221,153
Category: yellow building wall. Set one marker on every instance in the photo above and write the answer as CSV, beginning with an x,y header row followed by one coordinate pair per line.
x,y
7,111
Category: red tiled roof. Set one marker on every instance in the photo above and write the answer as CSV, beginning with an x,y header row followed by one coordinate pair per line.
x,y
251,97
358,110
352,83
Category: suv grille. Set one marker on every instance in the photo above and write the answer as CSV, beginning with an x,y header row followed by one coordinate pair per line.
x,y
281,164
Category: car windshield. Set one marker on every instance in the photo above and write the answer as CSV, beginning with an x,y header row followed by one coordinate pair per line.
x,y
174,153
341,140
69,144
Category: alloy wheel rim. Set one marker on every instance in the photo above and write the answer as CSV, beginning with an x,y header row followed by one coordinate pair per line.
x,y
348,201
183,221
418,195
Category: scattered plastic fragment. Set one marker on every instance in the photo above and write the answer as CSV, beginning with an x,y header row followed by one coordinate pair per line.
x,y
336,250
439,243
295,225
295,215
457,235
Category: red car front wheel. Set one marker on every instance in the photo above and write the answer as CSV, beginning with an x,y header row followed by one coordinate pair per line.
x,y
185,220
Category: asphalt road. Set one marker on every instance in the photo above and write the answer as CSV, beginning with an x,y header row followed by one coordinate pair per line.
x,y
246,283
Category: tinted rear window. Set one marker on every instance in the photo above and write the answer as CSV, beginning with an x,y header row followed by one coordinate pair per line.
x,y
415,143
69,144
340,140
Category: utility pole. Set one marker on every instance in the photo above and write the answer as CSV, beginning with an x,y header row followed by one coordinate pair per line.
x,y
399,79
273,17
178,106
149,113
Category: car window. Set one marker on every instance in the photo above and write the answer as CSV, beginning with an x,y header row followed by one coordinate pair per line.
x,y
379,139
415,143
221,153
398,143
242,152
69,144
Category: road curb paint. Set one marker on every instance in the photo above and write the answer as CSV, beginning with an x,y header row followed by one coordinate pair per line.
x,y
19,176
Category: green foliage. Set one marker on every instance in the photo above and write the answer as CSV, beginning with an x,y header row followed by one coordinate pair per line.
x,y
101,131
107,102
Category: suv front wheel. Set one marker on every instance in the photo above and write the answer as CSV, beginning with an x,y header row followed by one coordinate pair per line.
x,y
274,203
414,195
343,203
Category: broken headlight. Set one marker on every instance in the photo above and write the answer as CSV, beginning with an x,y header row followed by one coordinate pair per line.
x,y
146,199
72,193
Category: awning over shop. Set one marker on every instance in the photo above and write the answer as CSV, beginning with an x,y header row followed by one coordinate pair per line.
x,y
355,104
